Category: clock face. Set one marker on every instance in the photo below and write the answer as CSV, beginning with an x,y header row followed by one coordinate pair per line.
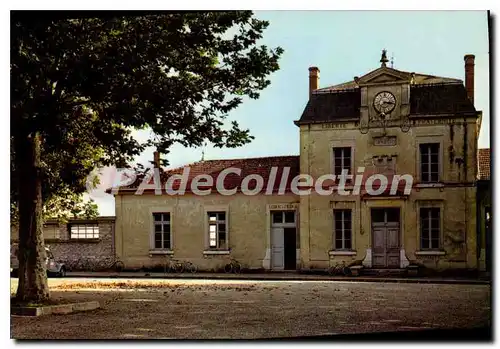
x,y
384,102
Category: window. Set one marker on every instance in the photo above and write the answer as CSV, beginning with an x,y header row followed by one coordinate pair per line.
x,y
430,224
283,217
162,231
429,162
84,231
278,217
289,216
385,215
217,230
51,231
342,229
341,160
378,215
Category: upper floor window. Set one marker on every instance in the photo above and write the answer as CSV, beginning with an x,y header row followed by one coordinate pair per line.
x,y
430,228
341,160
429,162
51,231
343,229
84,231
217,230
162,230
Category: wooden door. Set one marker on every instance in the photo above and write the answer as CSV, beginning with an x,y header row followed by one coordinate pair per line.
x,y
277,248
385,238
378,247
392,245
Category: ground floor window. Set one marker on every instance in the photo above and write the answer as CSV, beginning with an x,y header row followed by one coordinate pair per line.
x,y
84,231
162,230
343,229
430,228
217,230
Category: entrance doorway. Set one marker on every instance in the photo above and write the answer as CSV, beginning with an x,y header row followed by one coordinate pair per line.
x,y
283,240
385,237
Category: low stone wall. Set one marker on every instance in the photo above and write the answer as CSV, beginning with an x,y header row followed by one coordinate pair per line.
x,y
81,254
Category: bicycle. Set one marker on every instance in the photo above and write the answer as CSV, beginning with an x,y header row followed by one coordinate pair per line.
x,y
189,267
115,264
173,265
233,267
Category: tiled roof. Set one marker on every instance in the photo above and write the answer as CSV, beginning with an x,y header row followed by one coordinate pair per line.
x,y
439,99
261,166
418,79
332,106
429,94
484,163
343,86
424,79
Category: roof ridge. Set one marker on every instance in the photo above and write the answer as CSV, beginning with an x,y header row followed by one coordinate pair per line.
x,y
349,84
327,91
251,158
439,83
234,159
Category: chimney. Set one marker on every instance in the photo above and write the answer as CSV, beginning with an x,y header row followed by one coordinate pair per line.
x,y
156,160
469,76
313,79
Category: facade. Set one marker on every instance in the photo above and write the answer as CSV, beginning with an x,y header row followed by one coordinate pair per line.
x,y
388,122
152,228
81,244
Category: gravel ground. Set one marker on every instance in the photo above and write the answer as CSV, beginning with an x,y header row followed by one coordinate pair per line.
x,y
216,309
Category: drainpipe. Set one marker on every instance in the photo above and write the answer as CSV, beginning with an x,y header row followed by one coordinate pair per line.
x,y
478,229
121,223
309,199
466,211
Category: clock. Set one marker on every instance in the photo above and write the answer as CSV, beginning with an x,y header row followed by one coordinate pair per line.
x,y
384,102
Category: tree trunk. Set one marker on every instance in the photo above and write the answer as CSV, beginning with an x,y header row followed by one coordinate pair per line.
x,y
32,287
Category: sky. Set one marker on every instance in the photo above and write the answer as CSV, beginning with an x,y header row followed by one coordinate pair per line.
x,y
344,44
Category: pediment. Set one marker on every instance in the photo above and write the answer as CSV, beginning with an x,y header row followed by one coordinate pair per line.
x,y
384,75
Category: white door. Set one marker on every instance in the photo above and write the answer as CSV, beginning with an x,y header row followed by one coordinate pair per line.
x,y
277,248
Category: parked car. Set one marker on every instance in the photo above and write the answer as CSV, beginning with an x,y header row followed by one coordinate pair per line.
x,y
53,267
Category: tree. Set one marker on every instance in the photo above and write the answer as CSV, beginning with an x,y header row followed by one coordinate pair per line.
x,y
61,199
63,206
80,86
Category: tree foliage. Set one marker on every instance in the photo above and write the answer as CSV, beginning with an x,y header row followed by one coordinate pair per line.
x,y
65,205
177,74
80,86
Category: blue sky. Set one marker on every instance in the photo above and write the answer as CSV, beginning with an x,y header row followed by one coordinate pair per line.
x,y
344,44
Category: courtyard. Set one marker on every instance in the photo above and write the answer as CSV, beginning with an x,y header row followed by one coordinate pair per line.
x,y
244,309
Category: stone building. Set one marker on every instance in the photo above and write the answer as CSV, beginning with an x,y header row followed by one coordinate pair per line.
x,y
386,122
82,244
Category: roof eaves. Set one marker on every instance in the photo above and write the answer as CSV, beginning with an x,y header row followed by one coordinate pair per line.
x,y
326,91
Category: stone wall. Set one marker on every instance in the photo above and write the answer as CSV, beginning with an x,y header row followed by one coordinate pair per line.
x,y
81,254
